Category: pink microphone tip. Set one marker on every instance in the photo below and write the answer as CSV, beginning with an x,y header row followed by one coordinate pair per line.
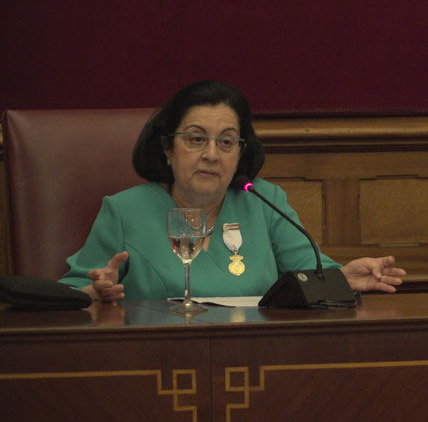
x,y
247,185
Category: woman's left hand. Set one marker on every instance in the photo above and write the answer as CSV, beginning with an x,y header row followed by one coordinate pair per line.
x,y
366,274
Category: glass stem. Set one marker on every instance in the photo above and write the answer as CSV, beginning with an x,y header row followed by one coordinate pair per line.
x,y
187,295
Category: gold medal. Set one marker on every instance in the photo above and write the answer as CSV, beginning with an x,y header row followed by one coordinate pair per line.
x,y
236,267
233,240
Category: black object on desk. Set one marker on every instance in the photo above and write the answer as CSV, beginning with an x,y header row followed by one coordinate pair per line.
x,y
308,289
38,293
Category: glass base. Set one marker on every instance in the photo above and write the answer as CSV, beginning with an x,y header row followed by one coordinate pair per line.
x,y
188,307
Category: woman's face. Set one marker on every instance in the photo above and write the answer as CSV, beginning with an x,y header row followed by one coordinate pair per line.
x,y
202,176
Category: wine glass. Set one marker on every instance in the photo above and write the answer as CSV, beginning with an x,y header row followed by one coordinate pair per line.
x,y
187,229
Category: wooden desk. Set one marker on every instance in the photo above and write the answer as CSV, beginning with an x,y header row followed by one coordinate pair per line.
x,y
138,362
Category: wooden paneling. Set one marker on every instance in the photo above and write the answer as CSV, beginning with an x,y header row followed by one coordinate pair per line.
x,y
394,211
341,212
373,175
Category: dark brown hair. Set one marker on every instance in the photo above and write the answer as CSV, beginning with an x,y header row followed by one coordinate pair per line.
x,y
149,159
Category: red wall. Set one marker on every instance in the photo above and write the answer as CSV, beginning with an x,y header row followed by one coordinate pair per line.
x,y
285,55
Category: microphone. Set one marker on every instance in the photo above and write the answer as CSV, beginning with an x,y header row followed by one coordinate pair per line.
x,y
246,185
317,288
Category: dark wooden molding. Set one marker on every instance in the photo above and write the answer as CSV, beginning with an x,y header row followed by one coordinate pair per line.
x,y
347,134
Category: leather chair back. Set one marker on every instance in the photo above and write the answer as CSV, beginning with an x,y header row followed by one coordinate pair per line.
x,y
60,164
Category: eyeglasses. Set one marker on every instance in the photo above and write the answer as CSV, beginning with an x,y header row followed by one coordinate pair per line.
x,y
197,141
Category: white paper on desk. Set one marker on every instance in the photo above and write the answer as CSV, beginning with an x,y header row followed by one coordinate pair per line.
x,y
231,301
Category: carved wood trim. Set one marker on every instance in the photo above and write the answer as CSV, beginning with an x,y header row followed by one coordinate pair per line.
x,y
343,134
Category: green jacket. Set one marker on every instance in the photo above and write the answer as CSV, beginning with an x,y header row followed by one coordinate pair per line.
x,y
135,220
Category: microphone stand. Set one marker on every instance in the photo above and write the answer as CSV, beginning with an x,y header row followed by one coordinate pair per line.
x,y
319,270
319,288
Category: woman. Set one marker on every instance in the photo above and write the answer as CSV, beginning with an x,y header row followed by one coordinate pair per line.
x,y
190,152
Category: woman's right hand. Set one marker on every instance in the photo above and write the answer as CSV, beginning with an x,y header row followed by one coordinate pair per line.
x,y
104,285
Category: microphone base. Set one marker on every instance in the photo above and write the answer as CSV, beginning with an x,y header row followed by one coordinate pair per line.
x,y
307,289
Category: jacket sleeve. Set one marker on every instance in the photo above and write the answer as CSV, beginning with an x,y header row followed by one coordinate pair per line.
x,y
104,241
